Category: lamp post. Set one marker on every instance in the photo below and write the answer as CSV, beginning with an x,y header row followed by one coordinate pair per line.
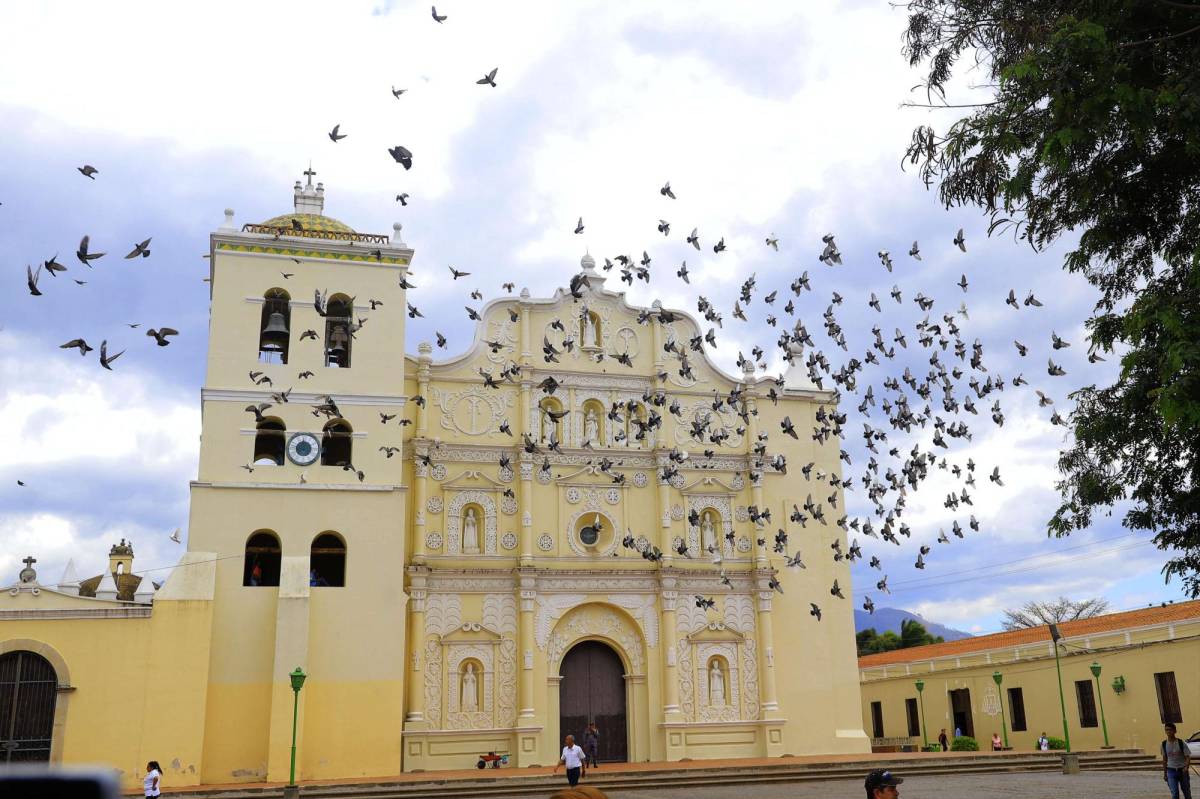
x,y
1054,636
1104,724
297,677
924,730
998,677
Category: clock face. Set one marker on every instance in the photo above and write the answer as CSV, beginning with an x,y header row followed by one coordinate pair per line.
x,y
303,449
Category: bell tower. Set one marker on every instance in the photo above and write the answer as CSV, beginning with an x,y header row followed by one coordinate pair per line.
x,y
295,500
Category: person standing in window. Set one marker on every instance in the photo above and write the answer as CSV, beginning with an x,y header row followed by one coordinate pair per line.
x,y
150,783
1177,758
256,574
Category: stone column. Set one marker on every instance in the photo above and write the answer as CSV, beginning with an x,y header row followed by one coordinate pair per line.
x,y
416,644
669,597
524,469
663,490
769,701
527,711
420,481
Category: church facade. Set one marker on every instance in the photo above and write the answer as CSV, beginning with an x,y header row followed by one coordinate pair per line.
x,y
465,555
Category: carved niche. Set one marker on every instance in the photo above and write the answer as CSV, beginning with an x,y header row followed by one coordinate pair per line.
x,y
719,503
451,643
454,520
730,639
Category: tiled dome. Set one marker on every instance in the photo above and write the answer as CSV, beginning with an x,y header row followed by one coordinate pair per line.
x,y
315,222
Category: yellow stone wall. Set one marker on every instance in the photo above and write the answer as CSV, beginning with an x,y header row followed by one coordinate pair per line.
x,y
1132,716
382,654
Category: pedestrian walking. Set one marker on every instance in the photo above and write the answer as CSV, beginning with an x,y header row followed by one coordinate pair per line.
x,y
591,744
572,758
152,780
882,784
944,741
1177,758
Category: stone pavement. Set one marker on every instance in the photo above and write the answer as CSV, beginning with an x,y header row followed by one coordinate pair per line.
x,y
1039,785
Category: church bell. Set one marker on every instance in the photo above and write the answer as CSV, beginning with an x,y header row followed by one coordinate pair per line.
x,y
338,340
275,333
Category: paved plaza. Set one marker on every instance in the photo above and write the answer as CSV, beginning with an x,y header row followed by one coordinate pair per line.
x,y
1088,785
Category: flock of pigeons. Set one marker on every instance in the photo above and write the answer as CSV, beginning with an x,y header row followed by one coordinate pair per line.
x,y
907,403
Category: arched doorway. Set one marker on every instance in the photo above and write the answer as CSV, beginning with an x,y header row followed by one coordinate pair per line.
x,y
28,689
593,689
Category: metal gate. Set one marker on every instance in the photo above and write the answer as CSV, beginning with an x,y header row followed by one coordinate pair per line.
x,y
28,690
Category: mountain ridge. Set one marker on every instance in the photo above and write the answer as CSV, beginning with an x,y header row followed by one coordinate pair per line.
x,y
890,618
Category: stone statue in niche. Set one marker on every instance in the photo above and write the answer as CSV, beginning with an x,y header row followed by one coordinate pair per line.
x,y
591,427
708,533
470,536
470,690
716,685
547,426
590,330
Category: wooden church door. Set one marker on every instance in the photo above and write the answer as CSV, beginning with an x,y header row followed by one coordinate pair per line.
x,y
28,690
593,689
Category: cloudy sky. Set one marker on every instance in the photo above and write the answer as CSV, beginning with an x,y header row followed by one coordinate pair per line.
x,y
784,120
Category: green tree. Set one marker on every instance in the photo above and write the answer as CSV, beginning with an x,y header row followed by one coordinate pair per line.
x,y
912,633
1093,124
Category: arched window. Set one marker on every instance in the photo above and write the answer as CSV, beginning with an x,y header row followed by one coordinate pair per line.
x,y
550,419
339,320
327,561
335,443
274,327
269,442
28,691
263,555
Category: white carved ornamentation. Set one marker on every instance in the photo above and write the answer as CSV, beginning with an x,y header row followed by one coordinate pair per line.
x,y
545,542
625,342
597,621
508,505
592,515
722,421
739,482
688,619
612,496
443,614
739,613
573,495
508,541
438,472
454,520
677,511
743,545
640,479
642,607
501,329
474,411
505,475
433,540
741,513
550,609
433,683
434,504
544,476
500,615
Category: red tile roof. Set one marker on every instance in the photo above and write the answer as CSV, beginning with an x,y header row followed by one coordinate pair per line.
x,y
1144,617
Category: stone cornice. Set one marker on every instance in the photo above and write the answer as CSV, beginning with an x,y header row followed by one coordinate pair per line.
x,y
248,395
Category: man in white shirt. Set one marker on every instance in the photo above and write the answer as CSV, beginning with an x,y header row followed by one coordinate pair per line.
x,y
572,758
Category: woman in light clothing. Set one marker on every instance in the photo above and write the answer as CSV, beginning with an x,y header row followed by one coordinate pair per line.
x,y
150,783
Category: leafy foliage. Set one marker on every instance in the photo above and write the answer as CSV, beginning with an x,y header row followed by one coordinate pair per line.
x,y
1057,744
1093,125
912,633
1035,614
964,743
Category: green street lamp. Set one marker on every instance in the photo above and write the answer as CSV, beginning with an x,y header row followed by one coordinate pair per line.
x,y
924,731
297,677
998,677
1104,724
1062,701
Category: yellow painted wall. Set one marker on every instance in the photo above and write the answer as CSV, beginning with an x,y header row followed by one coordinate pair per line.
x,y
1132,717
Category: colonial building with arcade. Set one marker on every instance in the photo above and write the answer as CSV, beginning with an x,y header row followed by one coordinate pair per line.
x,y
466,554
